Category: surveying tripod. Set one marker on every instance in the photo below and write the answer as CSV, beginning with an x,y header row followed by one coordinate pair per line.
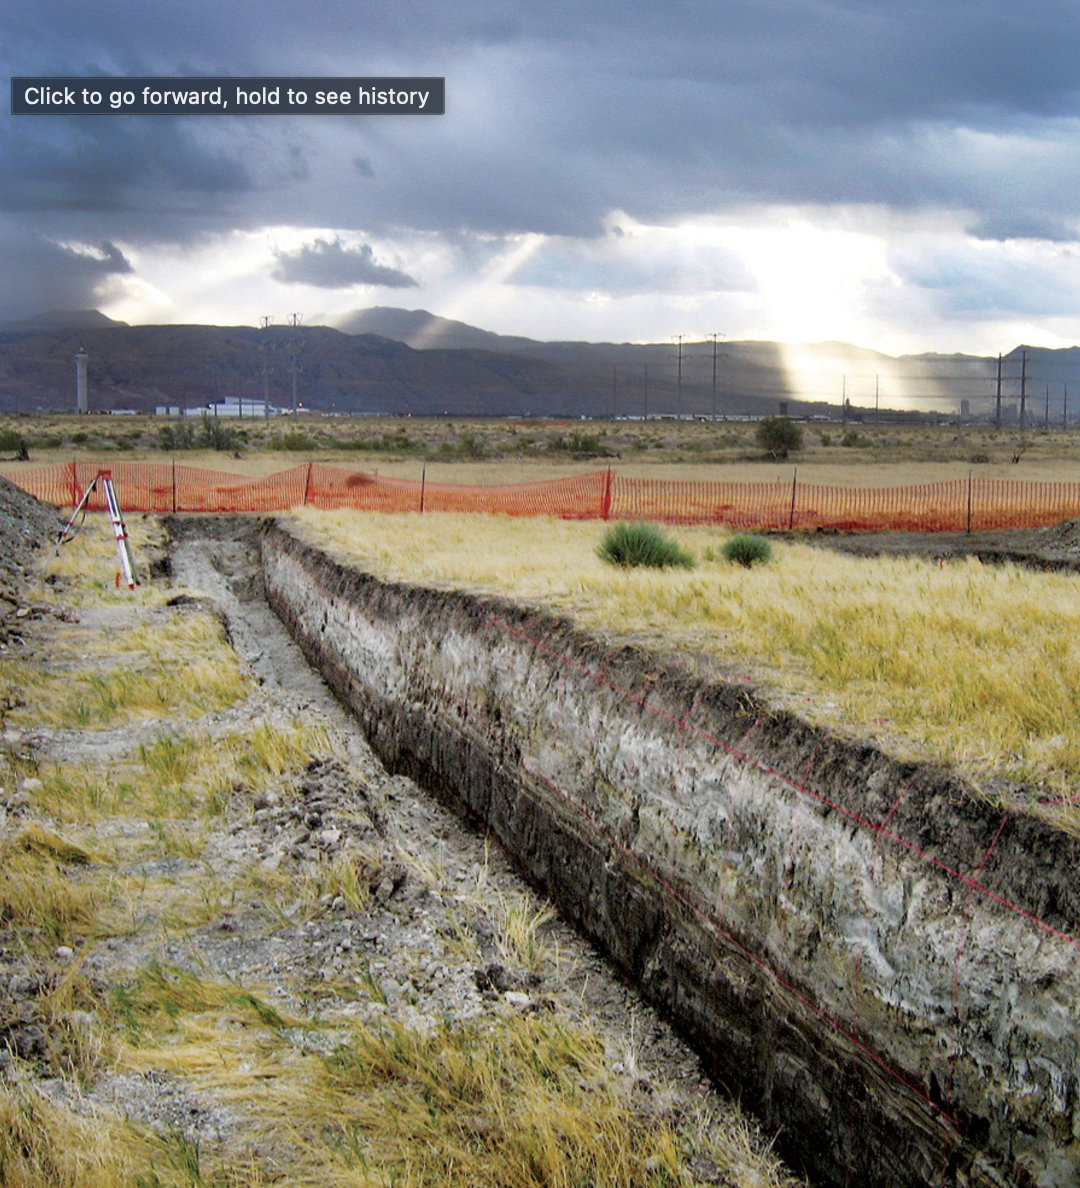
x,y
123,545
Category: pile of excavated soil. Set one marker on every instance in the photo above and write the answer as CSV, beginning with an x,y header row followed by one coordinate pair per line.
x,y
1062,538
26,525
27,528
1056,547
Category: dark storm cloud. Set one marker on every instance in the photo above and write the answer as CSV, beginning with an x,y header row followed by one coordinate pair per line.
x,y
44,275
328,264
557,114
110,163
675,89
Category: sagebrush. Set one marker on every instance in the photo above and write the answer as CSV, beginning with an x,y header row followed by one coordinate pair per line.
x,y
630,545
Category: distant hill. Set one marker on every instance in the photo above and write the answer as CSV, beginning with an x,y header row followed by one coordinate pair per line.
x,y
425,331
752,376
141,367
400,371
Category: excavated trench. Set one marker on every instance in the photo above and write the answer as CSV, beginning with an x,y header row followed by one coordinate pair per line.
x,y
880,965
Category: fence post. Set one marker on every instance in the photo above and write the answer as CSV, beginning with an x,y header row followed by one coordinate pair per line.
x,y
605,506
307,484
174,486
794,481
423,487
74,485
969,504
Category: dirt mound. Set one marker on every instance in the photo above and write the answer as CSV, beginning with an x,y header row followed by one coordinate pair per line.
x,y
1063,537
26,526
1056,547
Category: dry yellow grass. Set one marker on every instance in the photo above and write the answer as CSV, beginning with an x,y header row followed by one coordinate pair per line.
x,y
153,688
175,776
46,1144
886,455
86,566
510,1101
174,664
38,890
970,665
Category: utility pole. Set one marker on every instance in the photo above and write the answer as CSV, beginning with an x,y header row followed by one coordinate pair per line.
x,y
645,411
1023,391
296,345
614,389
997,396
877,398
265,322
1064,405
714,337
1046,409
678,387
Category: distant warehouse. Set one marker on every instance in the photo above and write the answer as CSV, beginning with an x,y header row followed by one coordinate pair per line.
x,y
241,409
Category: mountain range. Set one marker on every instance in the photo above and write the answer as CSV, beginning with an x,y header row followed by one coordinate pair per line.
x,y
411,362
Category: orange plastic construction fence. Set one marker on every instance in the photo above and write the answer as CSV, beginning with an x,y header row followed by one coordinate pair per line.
x,y
957,505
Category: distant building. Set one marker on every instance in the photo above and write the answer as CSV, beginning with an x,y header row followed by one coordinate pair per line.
x,y
240,409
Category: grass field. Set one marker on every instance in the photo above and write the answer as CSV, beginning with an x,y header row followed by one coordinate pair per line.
x,y
973,666
494,451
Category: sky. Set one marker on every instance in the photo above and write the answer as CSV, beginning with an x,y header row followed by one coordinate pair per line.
x,y
898,174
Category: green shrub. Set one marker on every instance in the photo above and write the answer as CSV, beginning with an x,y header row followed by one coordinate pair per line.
x,y
631,545
180,436
216,435
578,445
294,442
747,550
779,436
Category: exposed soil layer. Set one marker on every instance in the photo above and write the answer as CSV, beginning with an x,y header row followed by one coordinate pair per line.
x,y
879,962
1054,548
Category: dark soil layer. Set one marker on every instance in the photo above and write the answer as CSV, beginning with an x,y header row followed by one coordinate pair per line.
x,y
1057,547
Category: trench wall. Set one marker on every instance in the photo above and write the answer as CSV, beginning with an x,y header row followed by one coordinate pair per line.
x,y
883,968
